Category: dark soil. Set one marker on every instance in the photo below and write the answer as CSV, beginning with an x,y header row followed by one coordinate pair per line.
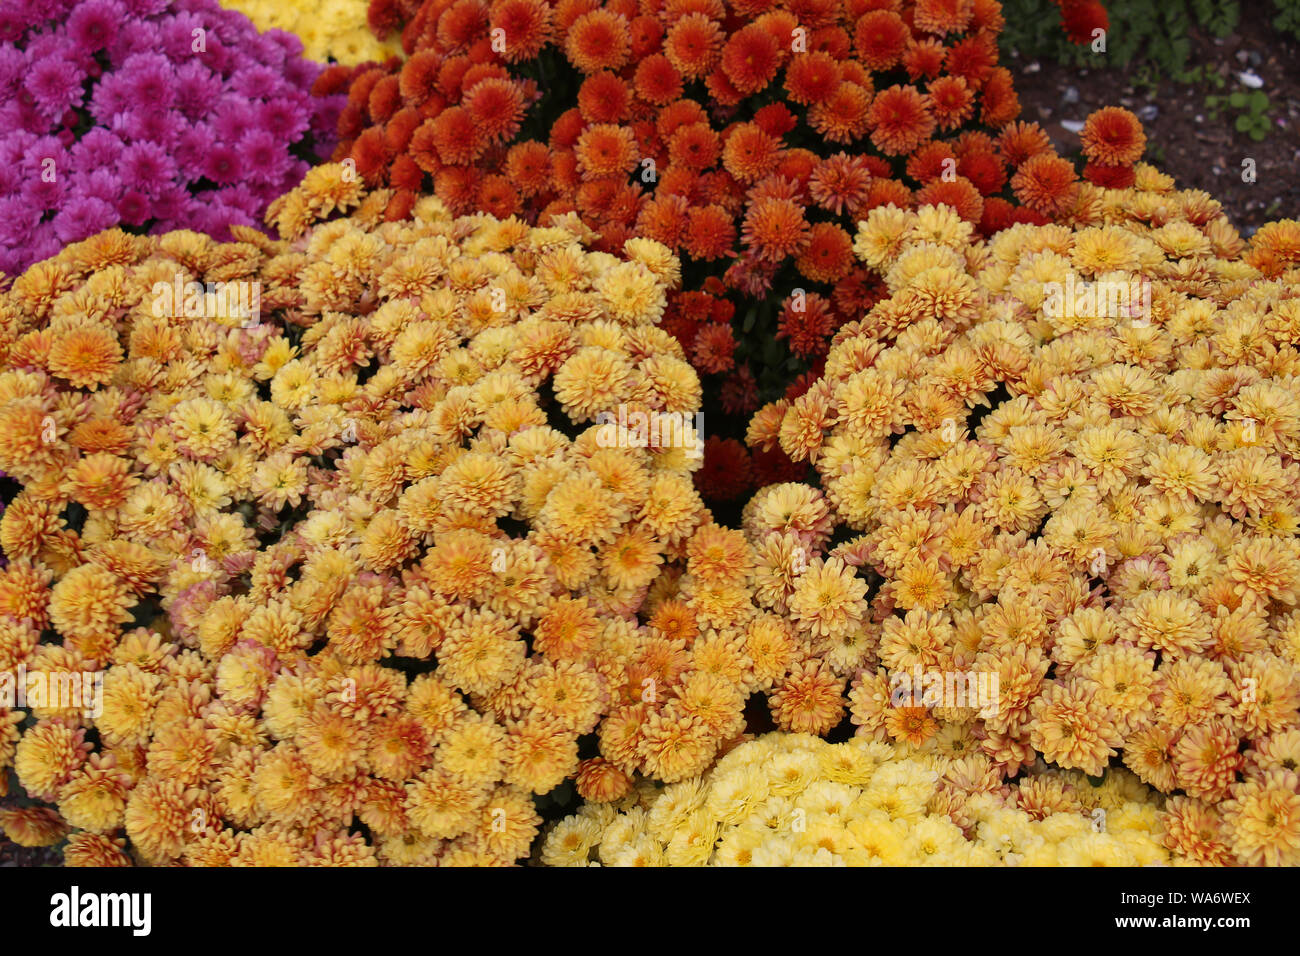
x,y
1185,138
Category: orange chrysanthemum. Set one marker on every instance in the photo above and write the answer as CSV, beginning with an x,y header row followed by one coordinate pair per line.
x,y
899,120
1113,136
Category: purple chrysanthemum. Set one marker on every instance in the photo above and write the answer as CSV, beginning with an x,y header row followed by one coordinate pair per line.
x,y
134,208
101,184
147,167
172,205
55,85
94,25
83,216
288,116
99,147
264,160
17,220
12,67
156,127
196,90
223,165
178,94
149,81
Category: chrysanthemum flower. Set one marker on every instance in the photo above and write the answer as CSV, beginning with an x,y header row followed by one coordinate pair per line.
x,y
597,40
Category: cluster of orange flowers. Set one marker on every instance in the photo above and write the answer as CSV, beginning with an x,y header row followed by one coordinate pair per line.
x,y
1070,457
749,136
364,557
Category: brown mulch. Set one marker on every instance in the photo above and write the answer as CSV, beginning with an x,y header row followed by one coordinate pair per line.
x,y
1184,139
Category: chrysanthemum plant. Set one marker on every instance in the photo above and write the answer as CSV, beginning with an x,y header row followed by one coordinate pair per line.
x,y
749,137
149,115
1063,465
796,800
351,579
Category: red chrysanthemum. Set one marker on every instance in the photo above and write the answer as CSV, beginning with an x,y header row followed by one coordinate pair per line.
x,y
597,41
829,254
457,187
400,205
528,166
943,16
606,150
713,348
663,219
811,77
710,233
1000,102
839,183
807,324
497,196
496,107
694,146
604,98
775,119
657,81
998,215
931,161
845,115
400,129
879,38
385,99
924,58
884,192
972,58
775,467
959,193
951,101
566,129
462,24
1109,177
750,58
457,136
693,45
371,155
739,392
1045,183
725,474
750,154
1018,141
527,26
899,120
646,34
1082,18
405,174
985,170
1113,136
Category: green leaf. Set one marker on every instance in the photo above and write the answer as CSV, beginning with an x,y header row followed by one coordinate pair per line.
x,y
1243,124
1237,98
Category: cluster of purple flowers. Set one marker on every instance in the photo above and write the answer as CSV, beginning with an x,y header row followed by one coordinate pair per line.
x,y
149,114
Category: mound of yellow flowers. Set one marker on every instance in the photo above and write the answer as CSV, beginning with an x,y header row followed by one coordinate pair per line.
x,y
334,522
329,29
796,800
1068,460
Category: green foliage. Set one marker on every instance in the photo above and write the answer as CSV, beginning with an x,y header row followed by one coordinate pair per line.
x,y
1150,32
1288,17
1252,111
1218,17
